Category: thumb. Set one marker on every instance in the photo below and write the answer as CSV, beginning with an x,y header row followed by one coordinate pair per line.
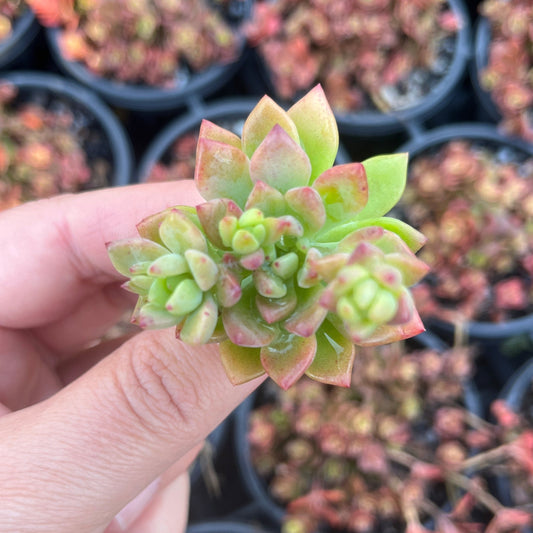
x,y
73,461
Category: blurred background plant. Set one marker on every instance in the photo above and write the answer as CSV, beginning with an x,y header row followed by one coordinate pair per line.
x,y
153,42
508,75
383,54
10,10
394,452
40,153
475,205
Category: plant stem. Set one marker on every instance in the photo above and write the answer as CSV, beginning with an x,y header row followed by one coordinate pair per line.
x,y
485,459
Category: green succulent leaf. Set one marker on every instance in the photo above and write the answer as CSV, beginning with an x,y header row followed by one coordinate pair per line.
x,y
222,171
275,309
344,190
269,200
309,314
211,131
242,364
280,162
317,129
211,213
308,206
199,326
265,115
288,357
334,357
386,176
125,253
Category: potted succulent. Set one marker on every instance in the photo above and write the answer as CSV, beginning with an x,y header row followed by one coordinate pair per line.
x,y
56,137
290,260
501,72
18,28
382,63
145,55
403,449
224,527
469,190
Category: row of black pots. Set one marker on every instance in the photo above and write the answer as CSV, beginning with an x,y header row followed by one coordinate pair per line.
x,y
199,85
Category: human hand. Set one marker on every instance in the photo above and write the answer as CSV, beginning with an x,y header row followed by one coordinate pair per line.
x,y
84,430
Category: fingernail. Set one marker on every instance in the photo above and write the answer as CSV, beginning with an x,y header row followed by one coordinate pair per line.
x,y
125,518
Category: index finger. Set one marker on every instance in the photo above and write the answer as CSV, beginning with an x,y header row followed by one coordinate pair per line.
x,y
53,251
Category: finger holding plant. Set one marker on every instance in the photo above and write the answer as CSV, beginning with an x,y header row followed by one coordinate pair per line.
x,y
290,261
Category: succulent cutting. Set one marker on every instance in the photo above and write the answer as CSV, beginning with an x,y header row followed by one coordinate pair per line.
x,y
291,261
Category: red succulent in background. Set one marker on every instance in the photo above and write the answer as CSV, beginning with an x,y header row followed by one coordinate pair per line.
x,y
508,74
144,41
40,155
362,52
10,10
476,212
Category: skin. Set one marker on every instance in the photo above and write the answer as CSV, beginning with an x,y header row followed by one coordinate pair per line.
x,y
94,438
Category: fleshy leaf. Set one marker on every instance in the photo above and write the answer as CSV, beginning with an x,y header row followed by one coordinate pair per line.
x,y
269,284
244,327
265,115
211,213
334,357
288,357
200,325
309,314
127,252
317,129
344,190
209,130
148,228
308,205
386,176
411,236
280,162
276,309
411,268
203,268
387,333
168,265
269,200
152,316
228,288
241,363
178,233
186,297
222,171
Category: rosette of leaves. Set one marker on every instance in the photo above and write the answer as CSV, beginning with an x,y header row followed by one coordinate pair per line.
x,y
290,261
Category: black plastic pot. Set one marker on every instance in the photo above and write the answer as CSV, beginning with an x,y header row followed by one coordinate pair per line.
x,y
369,123
263,504
224,527
503,342
227,110
89,112
480,58
24,31
138,97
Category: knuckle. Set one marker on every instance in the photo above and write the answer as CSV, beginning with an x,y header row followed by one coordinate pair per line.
x,y
158,384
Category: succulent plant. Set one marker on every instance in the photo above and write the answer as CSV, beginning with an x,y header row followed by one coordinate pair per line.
x,y
397,451
10,10
41,154
508,75
475,208
383,54
144,41
290,260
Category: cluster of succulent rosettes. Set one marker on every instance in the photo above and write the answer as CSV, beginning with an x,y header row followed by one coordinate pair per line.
x,y
146,41
363,52
475,207
10,10
290,260
40,154
508,74
383,454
